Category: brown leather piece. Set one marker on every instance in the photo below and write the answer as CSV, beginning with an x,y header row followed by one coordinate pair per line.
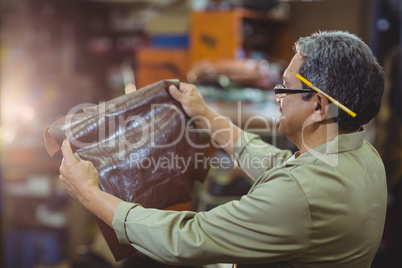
x,y
143,146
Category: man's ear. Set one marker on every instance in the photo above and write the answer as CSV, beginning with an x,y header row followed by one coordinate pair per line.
x,y
321,108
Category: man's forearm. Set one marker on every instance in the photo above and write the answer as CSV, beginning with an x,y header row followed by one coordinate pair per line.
x,y
223,132
102,204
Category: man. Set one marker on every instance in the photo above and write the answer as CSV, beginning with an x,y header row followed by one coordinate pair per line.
x,y
323,207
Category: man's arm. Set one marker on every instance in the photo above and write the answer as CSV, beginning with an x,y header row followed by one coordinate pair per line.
x,y
223,132
249,152
270,224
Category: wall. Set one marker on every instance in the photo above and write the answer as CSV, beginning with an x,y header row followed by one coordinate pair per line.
x,y
351,15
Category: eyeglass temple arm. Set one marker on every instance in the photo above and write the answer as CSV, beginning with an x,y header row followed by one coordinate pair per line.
x,y
337,103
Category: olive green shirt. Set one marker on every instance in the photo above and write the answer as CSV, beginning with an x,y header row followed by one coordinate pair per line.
x,y
323,209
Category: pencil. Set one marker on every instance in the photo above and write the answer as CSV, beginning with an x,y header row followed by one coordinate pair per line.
x,y
337,103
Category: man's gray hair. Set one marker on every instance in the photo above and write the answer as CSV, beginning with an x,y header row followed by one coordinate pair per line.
x,y
344,67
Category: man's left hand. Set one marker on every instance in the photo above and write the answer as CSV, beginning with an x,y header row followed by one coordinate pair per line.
x,y
78,177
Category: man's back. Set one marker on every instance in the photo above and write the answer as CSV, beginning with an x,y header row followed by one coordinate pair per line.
x,y
344,186
347,203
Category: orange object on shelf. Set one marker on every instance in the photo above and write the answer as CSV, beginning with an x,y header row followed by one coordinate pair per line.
x,y
219,34
215,35
155,64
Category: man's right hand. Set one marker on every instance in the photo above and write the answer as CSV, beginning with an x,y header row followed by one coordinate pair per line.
x,y
223,132
192,102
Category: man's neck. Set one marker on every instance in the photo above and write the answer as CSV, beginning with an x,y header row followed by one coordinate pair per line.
x,y
315,136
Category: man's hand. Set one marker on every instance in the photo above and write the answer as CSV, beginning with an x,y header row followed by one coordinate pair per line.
x,y
81,179
222,131
192,102
77,176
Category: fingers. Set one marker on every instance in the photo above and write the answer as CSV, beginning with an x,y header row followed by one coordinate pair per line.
x,y
182,92
64,182
187,88
175,92
68,152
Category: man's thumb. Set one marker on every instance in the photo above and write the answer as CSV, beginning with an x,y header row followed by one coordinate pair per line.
x,y
175,92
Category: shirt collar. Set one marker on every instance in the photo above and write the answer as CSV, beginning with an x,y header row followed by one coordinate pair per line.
x,y
341,143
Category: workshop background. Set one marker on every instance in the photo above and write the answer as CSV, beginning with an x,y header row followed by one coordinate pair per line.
x,y
56,54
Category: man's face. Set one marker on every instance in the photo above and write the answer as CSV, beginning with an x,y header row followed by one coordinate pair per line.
x,y
294,109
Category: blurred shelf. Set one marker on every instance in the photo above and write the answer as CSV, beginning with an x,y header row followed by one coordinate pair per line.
x,y
219,34
254,117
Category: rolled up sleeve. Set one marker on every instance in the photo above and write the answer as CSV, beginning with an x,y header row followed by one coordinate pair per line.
x,y
119,221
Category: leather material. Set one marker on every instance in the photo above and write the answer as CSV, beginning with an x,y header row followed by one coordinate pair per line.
x,y
143,146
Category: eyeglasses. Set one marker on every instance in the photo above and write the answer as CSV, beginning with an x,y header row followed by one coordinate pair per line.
x,y
281,91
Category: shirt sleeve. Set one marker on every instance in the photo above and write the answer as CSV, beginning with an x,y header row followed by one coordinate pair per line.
x,y
255,156
270,224
119,219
